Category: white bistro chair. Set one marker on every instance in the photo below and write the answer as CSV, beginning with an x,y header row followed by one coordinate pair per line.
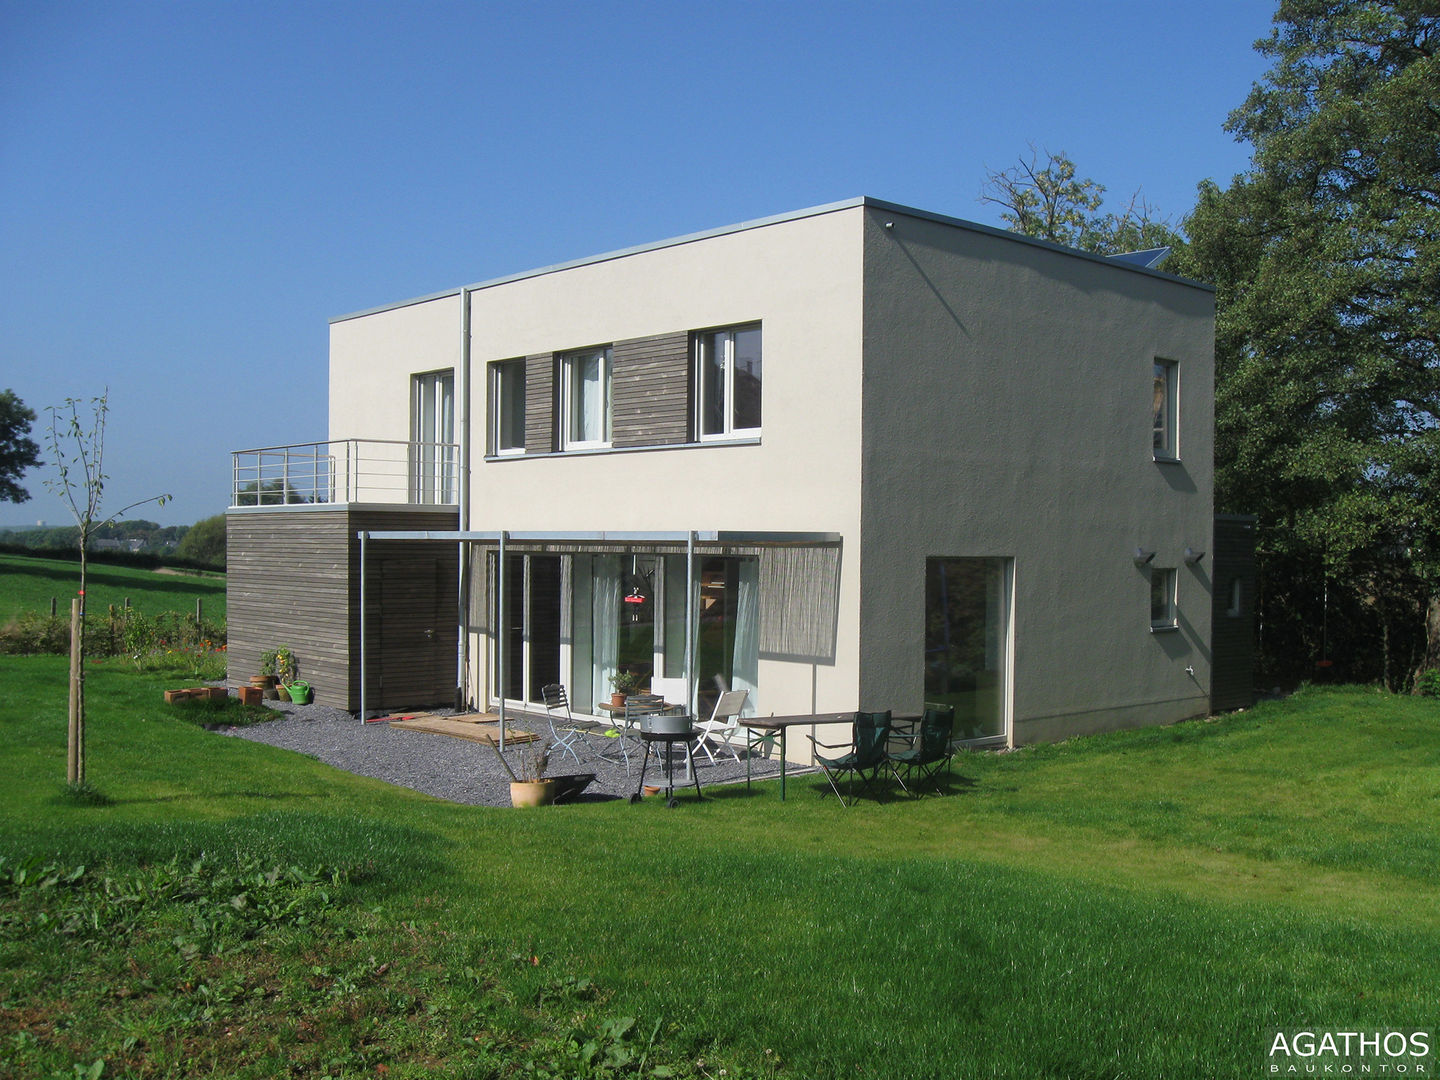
x,y
723,727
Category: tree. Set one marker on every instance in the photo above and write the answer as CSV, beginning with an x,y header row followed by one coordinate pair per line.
x,y
1048,202
1326,260
79,454
18,451
204,541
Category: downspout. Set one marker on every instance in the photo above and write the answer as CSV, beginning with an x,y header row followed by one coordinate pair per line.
x,y
690,702
462,420
363,635
500,634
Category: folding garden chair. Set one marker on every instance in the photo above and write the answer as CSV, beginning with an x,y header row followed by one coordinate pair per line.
x,y
866,757
563,731
723,725
929,748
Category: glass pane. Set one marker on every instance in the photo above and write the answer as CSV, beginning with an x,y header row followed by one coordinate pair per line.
x,y
513,677
543,635
712,384
1162,596
589,392
510,412
965,633
746,381
1164,410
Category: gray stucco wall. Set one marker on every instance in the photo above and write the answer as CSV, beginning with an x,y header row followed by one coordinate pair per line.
x,y
1007,413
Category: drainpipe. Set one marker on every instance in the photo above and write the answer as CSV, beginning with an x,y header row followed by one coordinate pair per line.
x,y
500,634
690,621
462,421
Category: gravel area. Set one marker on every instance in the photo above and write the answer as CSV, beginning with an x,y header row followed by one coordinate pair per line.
x,y
461,770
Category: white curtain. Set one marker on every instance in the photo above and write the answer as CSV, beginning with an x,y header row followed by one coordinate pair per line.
x,y
605,622
745,668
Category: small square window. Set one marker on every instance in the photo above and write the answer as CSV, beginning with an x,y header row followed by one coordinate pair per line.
x,y
1162,598
1167,410
585,399
507,407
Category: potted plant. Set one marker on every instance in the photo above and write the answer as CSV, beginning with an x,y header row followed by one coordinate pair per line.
x,y
625,683
529,786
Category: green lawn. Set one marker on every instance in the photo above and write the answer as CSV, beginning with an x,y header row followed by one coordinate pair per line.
x,y
28,583
1149,904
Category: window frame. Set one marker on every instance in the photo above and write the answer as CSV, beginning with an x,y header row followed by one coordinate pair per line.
x,y
729,432
1170,619
1165,441
506,374
568,364
433,478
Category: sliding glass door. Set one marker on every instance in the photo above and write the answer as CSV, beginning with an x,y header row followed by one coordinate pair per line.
x,y
967,633
532,626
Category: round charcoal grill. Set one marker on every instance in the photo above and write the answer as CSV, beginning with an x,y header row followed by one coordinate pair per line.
x,y
668,728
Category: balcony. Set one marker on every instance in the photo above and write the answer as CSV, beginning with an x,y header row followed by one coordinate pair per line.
x,y
347,471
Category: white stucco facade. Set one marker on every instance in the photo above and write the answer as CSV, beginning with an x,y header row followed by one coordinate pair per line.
x,y
931,390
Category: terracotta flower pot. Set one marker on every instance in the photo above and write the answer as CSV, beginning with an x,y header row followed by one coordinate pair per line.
x,y
617,700
532,792
249,695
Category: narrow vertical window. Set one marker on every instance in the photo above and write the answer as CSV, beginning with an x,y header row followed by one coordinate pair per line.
x,y
1162,598
585,399
432,438
507,407
728,377
1167,410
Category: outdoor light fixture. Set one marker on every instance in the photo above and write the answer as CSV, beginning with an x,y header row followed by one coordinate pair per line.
x,y
1192,556
1142,556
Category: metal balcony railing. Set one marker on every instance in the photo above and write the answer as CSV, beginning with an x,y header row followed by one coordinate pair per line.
x,y
346,470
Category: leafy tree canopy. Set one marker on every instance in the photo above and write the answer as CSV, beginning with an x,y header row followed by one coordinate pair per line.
x,y
1326,260
1046,201
18,451
205,541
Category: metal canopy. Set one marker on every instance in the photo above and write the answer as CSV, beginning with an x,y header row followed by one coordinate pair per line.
x,y
504,538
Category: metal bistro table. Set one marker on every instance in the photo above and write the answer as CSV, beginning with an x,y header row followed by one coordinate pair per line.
x,y
761,728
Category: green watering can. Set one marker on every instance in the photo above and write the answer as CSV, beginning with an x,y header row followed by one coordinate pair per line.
x,y
300,693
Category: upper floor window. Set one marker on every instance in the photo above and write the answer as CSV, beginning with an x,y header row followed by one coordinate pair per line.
x,y
507,407
585,399
432,438
1162,599
727,382
1167,410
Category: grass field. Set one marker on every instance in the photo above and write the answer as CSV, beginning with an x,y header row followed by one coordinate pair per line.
x,y
1148,904
27,583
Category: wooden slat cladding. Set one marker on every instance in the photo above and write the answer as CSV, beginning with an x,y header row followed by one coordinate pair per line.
x,y
294,579
1232,636
540,403
651,389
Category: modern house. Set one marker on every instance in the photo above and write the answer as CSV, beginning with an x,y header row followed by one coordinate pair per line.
x,y
856,456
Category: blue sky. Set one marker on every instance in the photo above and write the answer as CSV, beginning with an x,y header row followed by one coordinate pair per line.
x,y
190,191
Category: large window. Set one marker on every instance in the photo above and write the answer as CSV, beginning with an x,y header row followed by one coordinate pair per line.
x,y
1162,599
585,399
1167,410
432,438
966,638
507,407
727,382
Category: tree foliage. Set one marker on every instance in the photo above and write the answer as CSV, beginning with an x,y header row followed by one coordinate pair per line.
x,y
1326,260
1048,202
18,451
204,542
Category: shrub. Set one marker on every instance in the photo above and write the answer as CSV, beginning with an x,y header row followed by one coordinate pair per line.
x,y
35,633
1428,684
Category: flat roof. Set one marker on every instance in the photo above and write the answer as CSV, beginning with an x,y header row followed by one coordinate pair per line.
x,y
860,202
